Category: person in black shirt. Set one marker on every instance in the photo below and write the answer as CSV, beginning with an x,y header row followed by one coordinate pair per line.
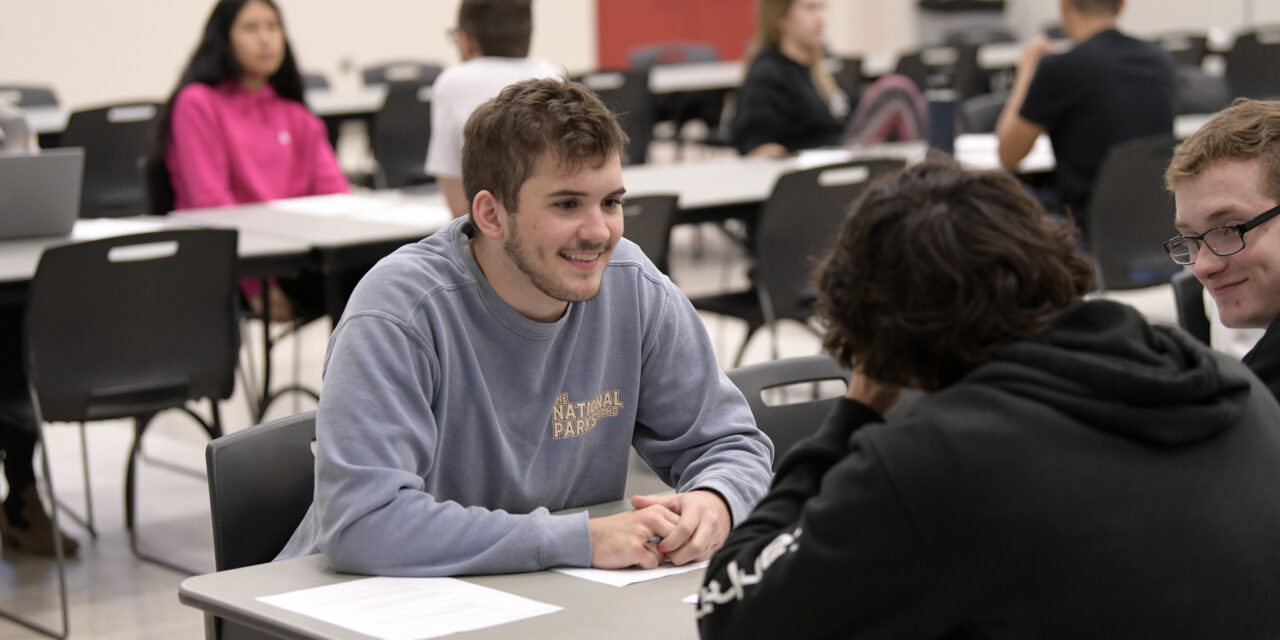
x,y
789,100
1225,181
1071,472
1107,89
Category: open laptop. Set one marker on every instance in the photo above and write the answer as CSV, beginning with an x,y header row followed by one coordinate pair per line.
x,y
40,192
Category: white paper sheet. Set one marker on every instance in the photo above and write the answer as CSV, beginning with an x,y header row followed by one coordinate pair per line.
x,y
331,205
624,577
690,599
409,608
96,228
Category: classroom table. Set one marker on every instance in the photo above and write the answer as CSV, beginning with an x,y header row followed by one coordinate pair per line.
x,y
643,610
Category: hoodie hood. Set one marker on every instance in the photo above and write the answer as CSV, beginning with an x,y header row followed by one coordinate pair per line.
x,y
1103,364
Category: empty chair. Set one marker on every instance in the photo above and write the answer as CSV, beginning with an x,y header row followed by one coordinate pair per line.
x,y
1186,49
130,326
1131,215
261,481
787,424
28,95
795,226
401,133
1253,64
114,139
979,113
402,72
1188,296
626,93
647,222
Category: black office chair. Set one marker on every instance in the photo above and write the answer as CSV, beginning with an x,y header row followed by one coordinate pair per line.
x,y
1199,92
401,133
411,72
647,221
1188,296
796,224
680,109
261,482
787,424
1253,63
849,75
127,327
626,93
28,95
114,139
1131,215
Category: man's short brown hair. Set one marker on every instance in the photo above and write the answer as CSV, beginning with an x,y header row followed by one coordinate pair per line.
x,y
505,137
1097,7
1246,130
936,267
498,27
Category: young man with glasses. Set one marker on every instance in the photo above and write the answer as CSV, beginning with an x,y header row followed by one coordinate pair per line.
x,y
1226,185
493,42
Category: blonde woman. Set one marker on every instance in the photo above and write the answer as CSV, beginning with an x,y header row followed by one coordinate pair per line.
x,y
789,100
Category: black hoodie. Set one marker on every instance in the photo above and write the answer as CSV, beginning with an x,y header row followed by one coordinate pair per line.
x,y
1105,479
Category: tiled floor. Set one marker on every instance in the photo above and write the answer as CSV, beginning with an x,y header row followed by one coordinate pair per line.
x,y
115,596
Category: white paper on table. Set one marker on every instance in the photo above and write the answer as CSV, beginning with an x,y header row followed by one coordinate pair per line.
x,y
690,599
624,577
93,229
334,204
409,608
409,214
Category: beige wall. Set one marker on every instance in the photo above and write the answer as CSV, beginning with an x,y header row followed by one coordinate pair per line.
x,y
97,51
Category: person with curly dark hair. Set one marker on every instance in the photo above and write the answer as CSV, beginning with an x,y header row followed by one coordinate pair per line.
x,y
1071,472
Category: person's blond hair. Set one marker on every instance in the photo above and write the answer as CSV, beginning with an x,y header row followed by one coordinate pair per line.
x,y
1246,130
768,14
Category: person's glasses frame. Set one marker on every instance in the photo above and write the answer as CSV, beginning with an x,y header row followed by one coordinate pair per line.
x,y
1183,249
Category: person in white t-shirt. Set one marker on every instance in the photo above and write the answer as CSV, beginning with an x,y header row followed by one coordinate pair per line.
x,y
493,40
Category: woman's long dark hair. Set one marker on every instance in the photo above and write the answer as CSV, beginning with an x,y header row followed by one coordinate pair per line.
x,y
212,63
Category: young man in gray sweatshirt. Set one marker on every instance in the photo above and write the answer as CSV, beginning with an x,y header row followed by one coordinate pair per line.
x,y
504,367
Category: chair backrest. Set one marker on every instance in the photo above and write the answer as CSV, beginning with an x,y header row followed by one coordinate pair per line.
x,y
1199,92
414,72
261,482
649,55
1188,296
979,113
130,325
798,223
788,423
25,95
1252,64
1186,49
114,138
626,93
647,222
401,133
315,81
1131,215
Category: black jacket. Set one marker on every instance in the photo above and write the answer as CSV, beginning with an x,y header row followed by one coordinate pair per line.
x,y
1264,358
1105,479
779,103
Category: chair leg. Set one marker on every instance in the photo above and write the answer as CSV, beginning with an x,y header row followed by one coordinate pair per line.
x,y
60,560
86,521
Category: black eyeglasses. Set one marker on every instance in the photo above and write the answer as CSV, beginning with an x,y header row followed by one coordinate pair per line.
x,y
1222,241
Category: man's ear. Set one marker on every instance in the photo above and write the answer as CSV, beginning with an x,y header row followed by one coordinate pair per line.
x,y
488,215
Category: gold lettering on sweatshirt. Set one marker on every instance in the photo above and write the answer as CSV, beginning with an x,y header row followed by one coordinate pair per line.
x,y
571,419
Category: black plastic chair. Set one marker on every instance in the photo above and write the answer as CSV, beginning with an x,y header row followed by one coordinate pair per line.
x,y
980,113
787,424
796,224
1188,296
28,95
1131,215
626,93
647,221
261,482
114,139
1252,64
1186,49
127,327
401,133
401,72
